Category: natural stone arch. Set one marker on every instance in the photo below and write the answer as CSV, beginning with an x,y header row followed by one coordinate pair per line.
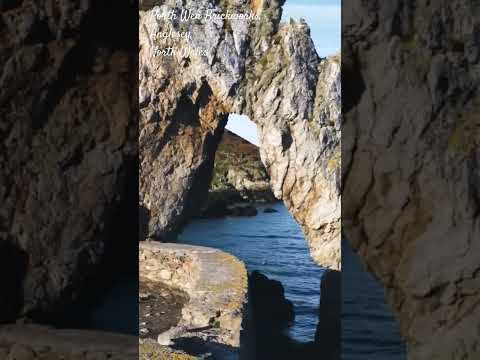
x,y
266,71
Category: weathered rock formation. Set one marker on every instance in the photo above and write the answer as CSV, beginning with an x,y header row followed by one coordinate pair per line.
x,y
267,71
410,154
151,350
216,285
68,138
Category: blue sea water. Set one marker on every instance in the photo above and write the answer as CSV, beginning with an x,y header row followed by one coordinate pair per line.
x,y
274,244
369,331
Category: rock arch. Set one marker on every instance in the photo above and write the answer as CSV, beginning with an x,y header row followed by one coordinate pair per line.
x,y
267,71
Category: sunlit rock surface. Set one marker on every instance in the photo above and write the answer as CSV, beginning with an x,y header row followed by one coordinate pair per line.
x,y
216,286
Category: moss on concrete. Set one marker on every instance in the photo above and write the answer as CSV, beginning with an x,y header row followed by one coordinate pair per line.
x,y
236,283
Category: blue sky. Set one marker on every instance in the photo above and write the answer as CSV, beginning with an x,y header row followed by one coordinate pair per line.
x,y
324,19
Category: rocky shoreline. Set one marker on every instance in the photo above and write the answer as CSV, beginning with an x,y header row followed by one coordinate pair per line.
x,y
220,313
222,208
210,320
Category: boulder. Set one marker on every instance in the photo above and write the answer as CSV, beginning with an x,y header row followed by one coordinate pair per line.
x,y
243,210
270,211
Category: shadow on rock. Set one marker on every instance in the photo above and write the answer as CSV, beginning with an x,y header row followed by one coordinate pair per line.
x,y
13,263
205,349
272,315
328,336
272,311
143,220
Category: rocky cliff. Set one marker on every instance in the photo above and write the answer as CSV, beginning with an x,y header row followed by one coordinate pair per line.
x,y
68,139
410,155
263,69
239,172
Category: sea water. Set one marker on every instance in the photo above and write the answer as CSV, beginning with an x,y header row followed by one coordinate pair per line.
x,y
274,244
369,331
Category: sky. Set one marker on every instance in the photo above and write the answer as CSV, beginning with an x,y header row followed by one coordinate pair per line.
x,y
324,19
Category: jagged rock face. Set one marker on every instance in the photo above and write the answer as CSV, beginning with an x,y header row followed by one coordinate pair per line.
x,y
67,135
181,123
411,154
294,97
268,72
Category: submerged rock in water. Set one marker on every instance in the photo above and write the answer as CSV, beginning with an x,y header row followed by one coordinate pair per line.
x,y
242,210
222,208
215,209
